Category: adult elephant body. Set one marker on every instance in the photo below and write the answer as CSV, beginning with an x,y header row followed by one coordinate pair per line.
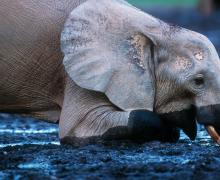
x,y
31,69
33,79
104,69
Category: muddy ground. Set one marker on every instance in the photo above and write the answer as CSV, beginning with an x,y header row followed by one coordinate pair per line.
x,y
30,149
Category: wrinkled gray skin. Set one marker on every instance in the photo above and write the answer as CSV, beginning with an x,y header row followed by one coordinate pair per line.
x,y
103,65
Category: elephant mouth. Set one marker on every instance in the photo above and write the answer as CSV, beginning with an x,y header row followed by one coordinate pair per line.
x,y
209,116
185,119
213,133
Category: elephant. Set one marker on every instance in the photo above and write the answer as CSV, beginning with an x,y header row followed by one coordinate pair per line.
x,y
105,70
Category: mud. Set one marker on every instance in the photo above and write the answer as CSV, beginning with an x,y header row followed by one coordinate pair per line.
x,y
30,149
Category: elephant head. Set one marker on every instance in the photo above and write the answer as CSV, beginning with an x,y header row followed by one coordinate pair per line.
x,y
142,63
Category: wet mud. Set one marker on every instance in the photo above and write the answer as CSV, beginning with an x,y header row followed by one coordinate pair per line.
x,y
30,149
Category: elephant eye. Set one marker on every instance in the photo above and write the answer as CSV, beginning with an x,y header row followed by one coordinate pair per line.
x,y
199,80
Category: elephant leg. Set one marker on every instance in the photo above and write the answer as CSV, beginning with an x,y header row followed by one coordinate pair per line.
x,y
88,115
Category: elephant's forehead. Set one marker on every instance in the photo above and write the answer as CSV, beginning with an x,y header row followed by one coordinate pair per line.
x,y
183,63
197,51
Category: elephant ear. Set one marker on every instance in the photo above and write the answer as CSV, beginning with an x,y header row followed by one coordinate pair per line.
x,y
108,48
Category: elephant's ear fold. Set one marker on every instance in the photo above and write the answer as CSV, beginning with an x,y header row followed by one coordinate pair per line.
x,y
106,49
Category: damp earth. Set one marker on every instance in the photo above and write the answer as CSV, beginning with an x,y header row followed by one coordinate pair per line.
x,y
30,149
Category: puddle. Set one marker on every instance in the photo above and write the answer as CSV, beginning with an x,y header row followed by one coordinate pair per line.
x,y
30,166
29,143
41,163
29,131
156,159
34,165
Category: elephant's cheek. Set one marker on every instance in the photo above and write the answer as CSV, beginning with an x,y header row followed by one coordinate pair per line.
x,y
185,119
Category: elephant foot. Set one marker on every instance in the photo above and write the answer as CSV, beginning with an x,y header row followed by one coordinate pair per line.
x,y
78,141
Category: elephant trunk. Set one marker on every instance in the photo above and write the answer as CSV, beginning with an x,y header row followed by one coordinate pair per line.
x,y
185,119
210,117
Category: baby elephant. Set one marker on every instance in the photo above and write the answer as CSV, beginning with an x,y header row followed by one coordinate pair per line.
x,y
104,69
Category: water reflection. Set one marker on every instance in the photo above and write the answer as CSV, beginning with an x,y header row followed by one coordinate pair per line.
x,y
30,143
29,131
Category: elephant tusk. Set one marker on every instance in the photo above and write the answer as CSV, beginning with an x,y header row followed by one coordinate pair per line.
x,y
212,132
